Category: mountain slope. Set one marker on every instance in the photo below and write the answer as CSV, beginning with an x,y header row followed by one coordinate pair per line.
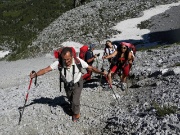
x,y
88,23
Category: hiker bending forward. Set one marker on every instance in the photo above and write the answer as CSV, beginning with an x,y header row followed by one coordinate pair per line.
x,y
73,92
89,58
124,59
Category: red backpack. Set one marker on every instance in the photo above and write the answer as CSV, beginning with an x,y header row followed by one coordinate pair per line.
x,y
83,51
57,55
130,46
58,52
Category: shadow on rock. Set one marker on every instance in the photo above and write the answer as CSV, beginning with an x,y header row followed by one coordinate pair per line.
x,y
91,83
95,82
154,38
57,101
170,36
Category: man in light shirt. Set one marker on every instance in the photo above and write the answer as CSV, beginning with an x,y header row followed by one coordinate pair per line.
x,y
73,93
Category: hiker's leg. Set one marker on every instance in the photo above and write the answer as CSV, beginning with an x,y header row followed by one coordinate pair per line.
x,y
87,76
126,70
110,77
111,72
76,97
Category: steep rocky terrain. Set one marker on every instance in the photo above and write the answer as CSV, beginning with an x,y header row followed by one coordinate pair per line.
x,y
153,97
151,105
90,23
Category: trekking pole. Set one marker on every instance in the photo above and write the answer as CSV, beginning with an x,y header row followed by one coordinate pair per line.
x,y
97,62
112,90
26,98
60,76
102,70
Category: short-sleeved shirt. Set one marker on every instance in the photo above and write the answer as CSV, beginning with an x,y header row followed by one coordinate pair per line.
x,y
109,51
69,70
89,55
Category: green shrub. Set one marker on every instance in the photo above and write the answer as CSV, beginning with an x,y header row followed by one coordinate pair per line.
x,y
164,110
176,64
21,21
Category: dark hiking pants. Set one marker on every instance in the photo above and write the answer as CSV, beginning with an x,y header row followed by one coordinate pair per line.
x,y
74,96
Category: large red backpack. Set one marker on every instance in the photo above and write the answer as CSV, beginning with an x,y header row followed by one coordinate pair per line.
x,y
58,52
130,46
57,55
83,51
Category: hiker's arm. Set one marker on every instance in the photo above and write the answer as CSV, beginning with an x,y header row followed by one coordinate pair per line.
x,y
111,55
91,59
130,57
41,72
96,70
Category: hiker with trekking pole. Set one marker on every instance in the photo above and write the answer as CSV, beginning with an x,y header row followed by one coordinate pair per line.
x,y
123,59
70,73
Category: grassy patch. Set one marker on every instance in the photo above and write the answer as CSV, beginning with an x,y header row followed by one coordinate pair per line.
x,y
21,21
176,64
156,47
164,110
152,47
148,48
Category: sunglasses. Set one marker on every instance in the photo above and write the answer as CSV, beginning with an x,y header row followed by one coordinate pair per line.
x,y
123,47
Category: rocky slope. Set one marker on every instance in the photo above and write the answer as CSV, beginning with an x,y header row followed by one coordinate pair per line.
x,y
150,106
151,103
90,23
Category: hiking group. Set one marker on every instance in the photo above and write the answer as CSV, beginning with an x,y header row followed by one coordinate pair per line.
x,y
70,69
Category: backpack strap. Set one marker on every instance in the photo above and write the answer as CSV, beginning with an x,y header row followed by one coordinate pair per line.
x,y
61,77
113,45
60,69
65,72
109,51
73,72
105,53
78,64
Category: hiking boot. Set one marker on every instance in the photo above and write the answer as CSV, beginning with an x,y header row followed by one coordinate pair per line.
x,y
123,86
75,117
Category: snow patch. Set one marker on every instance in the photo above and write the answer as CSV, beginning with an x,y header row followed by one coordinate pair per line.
x,y
3,53
129,28
72,44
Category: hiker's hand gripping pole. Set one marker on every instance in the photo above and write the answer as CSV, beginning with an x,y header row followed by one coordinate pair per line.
x,y
26,97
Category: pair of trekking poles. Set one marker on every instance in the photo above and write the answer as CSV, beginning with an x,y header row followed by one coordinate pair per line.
x,y
21,109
